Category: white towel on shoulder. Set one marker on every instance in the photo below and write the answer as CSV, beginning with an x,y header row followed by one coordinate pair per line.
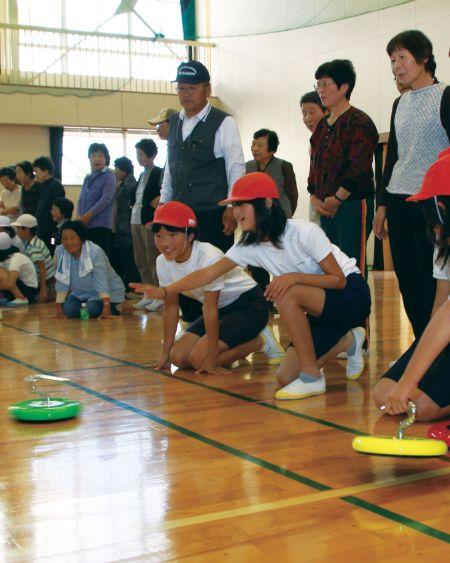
x,y
85,265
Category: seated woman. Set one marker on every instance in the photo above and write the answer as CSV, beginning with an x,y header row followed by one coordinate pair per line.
x,y
318,291
422,374
18,279
84,275
234,309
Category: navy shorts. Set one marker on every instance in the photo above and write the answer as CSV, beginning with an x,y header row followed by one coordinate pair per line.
x,y
239,322
436,381
343,310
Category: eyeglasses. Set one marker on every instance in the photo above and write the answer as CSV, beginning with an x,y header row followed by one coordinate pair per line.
x,y
324,84
159,125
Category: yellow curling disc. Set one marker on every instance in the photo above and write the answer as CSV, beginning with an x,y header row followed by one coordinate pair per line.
x,y
389,445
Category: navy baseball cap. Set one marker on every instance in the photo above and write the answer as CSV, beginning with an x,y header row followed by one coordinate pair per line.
x,y
192,72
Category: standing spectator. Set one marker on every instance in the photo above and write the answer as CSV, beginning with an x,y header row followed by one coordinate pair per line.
x,y
312,109
11,196
204,157
342,148
161,122
95,205
62,211
39,254
49,189
121,255
143,207
264,146
420,130
30,189
312,112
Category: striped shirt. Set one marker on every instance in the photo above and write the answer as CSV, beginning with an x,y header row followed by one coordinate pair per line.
x,y
37,251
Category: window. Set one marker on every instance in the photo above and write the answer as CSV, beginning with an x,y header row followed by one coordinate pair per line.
x,y
120,142
58,53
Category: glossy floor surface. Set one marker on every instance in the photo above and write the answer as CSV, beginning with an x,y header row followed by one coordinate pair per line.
x,y
184,467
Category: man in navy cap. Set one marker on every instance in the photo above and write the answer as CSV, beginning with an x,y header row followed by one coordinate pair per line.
x,y
204,156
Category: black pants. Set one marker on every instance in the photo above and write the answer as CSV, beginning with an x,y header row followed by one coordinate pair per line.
x,y
122,260
100,236
412,255
209,229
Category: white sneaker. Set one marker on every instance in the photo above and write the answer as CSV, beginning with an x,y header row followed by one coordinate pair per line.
x,y
342,356
392,364
17,303
355,361
154,305
142,303
302,387
271,347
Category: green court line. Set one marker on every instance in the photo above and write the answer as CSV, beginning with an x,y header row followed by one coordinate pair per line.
x,y
355,501
232,394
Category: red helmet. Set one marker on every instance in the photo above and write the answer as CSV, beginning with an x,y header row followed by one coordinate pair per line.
x,y
175,214
255,185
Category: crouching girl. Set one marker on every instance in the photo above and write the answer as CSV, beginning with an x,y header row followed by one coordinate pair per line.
x,y
235,313
319,292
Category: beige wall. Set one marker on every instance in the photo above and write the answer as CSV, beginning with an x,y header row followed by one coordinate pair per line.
x,y
20,142
115,109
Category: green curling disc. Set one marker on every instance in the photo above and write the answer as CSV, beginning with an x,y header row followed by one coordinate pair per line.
x,y
45,410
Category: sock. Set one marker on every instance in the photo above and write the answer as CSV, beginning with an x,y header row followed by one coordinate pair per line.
x,y
306,378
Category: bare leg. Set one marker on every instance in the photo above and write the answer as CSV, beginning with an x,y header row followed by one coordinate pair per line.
x,y
241,351
289,368
8,283
226,355
293,307
182,348
342,346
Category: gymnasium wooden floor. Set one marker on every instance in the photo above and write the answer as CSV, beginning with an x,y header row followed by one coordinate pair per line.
x,y
195,468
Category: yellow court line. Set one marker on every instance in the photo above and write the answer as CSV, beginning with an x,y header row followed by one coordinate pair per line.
x,y
298,501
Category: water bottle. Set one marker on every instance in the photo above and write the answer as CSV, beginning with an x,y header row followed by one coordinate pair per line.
x,y
84,312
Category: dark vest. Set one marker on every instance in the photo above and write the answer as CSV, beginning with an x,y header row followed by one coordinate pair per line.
x,y
199,179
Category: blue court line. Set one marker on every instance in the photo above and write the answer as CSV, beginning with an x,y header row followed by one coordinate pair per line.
x,y
232,394
355,501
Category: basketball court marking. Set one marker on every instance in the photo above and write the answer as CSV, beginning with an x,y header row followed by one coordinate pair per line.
x,y
361,503
245,398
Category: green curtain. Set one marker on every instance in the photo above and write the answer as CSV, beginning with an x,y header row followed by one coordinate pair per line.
x,y
188,19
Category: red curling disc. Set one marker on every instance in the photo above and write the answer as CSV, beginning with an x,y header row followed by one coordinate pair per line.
x,y
440,431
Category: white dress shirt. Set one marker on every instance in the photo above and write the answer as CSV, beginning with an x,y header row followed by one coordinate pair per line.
x,y
227,145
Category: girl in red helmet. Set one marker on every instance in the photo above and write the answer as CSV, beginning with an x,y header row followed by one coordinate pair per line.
x,y
318,290
235,313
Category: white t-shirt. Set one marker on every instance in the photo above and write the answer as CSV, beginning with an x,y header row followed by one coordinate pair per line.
x,y
18,262
304,245
440,272
231,285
